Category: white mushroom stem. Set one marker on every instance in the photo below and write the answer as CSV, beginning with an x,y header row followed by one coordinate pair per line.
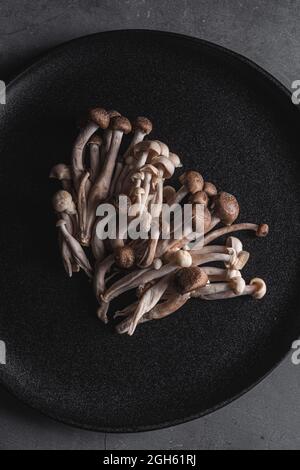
x,y
149,255
82,206
75,248
210,249
95,161
236,285
229,229
78,149
101,270
257,289
97,244
122,182
69,263
118,169
199,259
219,274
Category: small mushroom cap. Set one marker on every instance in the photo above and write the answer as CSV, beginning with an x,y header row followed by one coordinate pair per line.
x,y
226,207
150,169
139,175
125,257
121,123
261,288
201,217
210,189
165,165
61,172
192,180
237,284
100,116
190,279
242,260
157,264
181,258
164,149
96,140
168,192
143,124
149,146
62,201
199,198
113,113
233,242
175,160
263,230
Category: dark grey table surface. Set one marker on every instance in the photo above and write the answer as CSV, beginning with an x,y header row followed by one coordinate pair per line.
x,y
266,31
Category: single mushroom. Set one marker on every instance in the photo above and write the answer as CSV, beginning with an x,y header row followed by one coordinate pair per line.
x,y
236,285
210,189
226,208
257,289
98,117
142,127
242,256
175,160
192,182
261,230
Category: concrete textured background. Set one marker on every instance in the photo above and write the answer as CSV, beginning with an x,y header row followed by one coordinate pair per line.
x,y
266,31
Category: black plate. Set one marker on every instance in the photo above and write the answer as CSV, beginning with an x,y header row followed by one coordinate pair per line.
x,y
226,118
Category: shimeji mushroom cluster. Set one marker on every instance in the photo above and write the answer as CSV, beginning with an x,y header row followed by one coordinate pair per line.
x,y
164,273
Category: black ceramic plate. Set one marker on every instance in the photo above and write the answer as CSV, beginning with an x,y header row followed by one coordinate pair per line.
x,y
226,118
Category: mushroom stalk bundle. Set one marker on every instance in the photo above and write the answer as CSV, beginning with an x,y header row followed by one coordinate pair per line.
x,y
164,269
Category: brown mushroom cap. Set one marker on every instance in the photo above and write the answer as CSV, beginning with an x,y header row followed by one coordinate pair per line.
x,y
192,180
121,123
113,113
210,189
100,116
175,160
150,146
226,207
200,197
143,124
263,230
62,201
61,172
125,257
168,192
189,279
165,165
96,140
